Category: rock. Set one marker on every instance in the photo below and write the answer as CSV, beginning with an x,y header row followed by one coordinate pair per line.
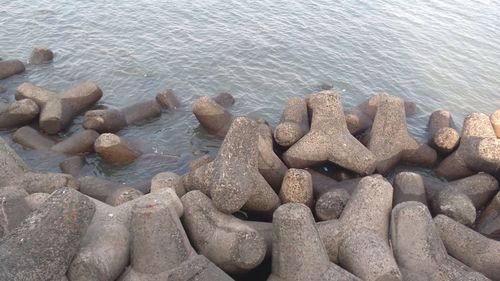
x,y
232,179
329,139
294,123
270,165
104,120
359,241
213,117
43,245
78,143
409,186
361,117
72,165
44,182
418,249
18,113
122,195
104,251
30,138
159,244
35,200
10,67
13,208
495,122
470,247
488,222
224,99
441,134
57,111
115,150
168,100
168,180
297,187
479,150
461,198
331,204
41,55
225,240
298,253
390,141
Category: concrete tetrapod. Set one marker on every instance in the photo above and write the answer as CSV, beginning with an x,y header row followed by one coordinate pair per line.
x,y
223,239
10,67
488,222
461,199
360,117
409,186
224,99
390,141
167,99
58,110
329,139
41,55
160,247
43,245
30,138
212,116
112,120
232,180
298,253
294,123
478,151
107,191
18,113
358,241
297,187
105,248
419,251
270,165
115,150
81,142
495,122
470,247
13,208
441,134
168,180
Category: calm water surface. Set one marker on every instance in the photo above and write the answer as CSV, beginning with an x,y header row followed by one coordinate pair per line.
x,y
440,54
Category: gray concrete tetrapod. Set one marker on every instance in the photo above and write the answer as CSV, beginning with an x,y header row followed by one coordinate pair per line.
x,y
297,187
233,180
19,113
43,245
30,138
390,141
223,239
441,134
478,151
329,139
409,186
488,223
77,143
461,199
13,208
470,247
270,165
212,116
58,110
495,122
107,191
168,180
115,150
358,241
41,55
224,99
294,123
167,99
298,252
112,120
105,248
10,67
159,246
360,117
418,249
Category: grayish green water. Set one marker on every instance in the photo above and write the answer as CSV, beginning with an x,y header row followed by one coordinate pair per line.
x,y
440,54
